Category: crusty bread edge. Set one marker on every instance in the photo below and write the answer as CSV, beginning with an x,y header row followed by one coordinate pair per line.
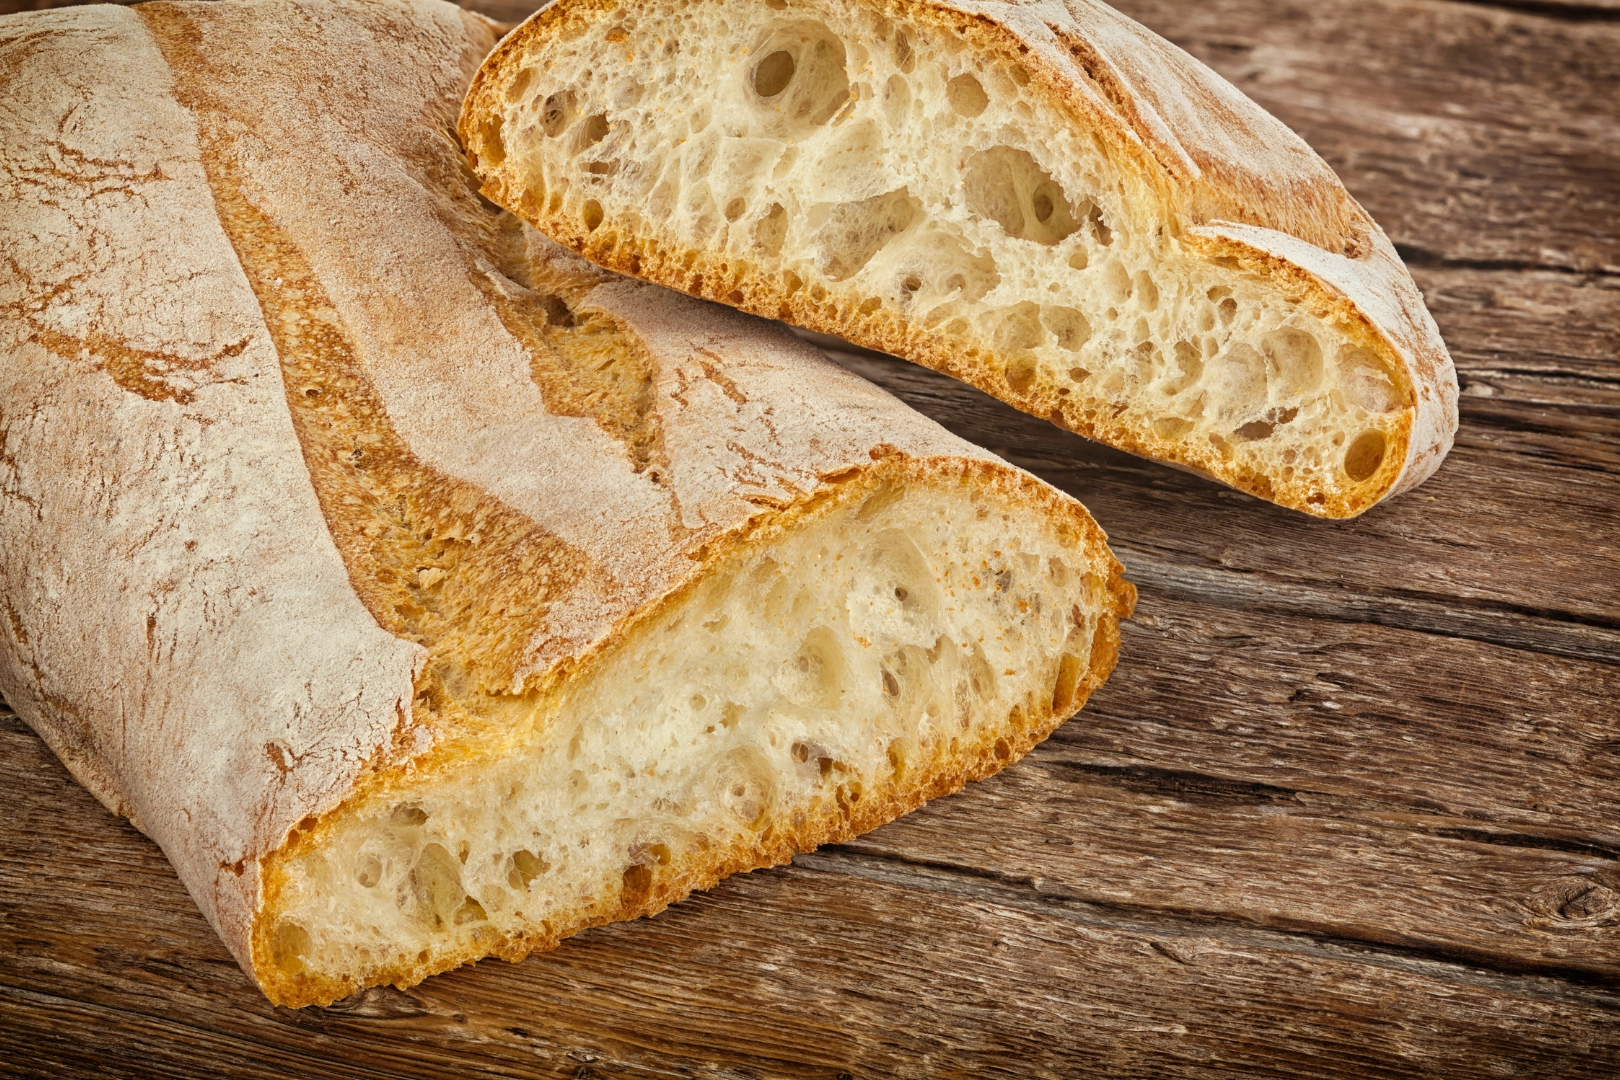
x,y
1422,368
998,746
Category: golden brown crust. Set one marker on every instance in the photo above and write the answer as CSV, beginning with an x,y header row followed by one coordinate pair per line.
x,y
1183,139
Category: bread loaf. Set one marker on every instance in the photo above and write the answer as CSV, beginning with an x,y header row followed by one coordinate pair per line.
x,y
425,592
1042,198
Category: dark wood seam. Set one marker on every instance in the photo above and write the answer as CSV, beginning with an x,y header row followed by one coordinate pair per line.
x,y
1571,13
1023,893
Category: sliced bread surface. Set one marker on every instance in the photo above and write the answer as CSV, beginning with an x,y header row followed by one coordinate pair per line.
x,y
1044,199
424,591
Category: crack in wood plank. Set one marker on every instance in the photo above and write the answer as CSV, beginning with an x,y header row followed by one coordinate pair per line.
x,y
1544,631
1563,10
1026,894
1419,258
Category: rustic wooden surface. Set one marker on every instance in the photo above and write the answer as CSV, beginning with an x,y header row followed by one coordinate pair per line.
x,y
1350,807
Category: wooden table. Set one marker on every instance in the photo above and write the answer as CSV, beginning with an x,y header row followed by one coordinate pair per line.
x,y
1349,807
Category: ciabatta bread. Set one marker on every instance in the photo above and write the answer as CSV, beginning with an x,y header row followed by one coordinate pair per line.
x,y
1042,198
424,591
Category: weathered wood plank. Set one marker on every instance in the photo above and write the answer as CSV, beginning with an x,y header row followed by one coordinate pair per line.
x,y
1495,538
1304,861
1394,720
843,965
1471,132
1533,338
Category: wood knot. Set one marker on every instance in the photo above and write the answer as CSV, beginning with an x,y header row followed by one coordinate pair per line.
x,y
1597,904
1579,903
375,1003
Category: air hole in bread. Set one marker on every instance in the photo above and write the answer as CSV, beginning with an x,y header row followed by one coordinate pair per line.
x,y
592,131
904,54
771,231
746,786
290,946
638,881
557,113
1365,455
801,78
1020,372
944,269
1366,380
408,815
891,685
514,92
896,99
1019,328
1100,232
490,147
1116,283
774,73
1189,362
1171,428
813,677
1238,381
1069,327
369,872
1147,292
1294,358
434,892
1006,185
470,911
1070,669
525,867
966,95
847,235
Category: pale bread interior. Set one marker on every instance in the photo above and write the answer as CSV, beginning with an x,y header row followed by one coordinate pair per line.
x,y
896,184
905,637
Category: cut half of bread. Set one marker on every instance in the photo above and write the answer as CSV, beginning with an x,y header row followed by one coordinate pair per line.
x,y
424,591
1044,199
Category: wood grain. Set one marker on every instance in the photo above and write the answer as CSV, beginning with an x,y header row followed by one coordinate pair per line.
x,y
1349,807
843,965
